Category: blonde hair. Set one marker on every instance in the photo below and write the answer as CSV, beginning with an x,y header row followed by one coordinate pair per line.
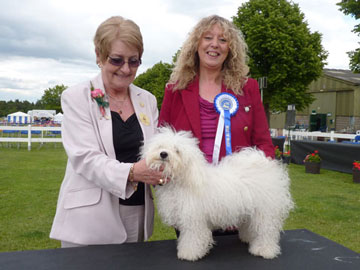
x,y
116,28
235,69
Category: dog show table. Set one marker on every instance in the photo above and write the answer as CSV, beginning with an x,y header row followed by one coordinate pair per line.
x,y
301,249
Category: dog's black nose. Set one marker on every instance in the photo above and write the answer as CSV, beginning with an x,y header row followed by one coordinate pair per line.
x,y
163,155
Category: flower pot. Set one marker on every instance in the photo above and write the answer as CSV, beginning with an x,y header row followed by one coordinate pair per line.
x,y
312,167
286,159
356,176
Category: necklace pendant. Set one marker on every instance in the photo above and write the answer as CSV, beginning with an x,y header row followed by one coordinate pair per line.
x,y
120,111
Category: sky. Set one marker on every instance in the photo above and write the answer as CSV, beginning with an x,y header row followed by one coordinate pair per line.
x,y
47,43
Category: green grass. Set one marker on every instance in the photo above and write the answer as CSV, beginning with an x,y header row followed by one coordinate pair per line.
x,y
29,185
327,204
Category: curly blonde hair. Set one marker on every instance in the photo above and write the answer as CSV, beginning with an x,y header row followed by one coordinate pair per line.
x,y
234,71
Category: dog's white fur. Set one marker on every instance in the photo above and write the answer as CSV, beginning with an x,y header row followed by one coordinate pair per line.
x,y
246,190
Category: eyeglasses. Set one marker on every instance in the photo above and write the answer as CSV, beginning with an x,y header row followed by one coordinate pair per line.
x,y
119,61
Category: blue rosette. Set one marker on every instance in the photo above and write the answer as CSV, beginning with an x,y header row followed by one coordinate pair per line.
x,y
226,102
226,105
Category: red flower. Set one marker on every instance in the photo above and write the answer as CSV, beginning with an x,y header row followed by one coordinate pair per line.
x,y
313,157
98,96
356,165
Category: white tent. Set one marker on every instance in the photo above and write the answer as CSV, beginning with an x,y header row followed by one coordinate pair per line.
x,y
58,118
18,118
44,114
38,115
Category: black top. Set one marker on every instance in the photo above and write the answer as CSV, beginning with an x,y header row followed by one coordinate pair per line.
x,y
128,138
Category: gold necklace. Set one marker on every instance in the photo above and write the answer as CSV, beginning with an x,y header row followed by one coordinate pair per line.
x,y
121,102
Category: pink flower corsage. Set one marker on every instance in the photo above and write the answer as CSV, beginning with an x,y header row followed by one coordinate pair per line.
x,y
98,96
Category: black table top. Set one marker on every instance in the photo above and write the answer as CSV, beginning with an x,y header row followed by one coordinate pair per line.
x,y
301,249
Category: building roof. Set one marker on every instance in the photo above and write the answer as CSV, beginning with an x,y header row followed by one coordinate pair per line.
x,y
343,74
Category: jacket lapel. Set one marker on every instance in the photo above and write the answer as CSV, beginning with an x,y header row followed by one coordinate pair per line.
x,y
190,98
104,124
142,111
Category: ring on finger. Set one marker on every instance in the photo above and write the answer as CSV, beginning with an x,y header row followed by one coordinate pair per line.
x,y
161,182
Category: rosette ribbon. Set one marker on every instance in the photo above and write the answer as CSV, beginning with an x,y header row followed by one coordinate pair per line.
x,y
226,105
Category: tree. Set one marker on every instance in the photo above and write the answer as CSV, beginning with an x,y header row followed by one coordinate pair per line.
x,y
282,49
51,98
155,79
352,7
7,107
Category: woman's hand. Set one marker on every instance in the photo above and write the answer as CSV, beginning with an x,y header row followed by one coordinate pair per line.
x,y
143,174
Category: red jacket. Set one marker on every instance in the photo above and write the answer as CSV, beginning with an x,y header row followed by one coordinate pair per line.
x,y
249,125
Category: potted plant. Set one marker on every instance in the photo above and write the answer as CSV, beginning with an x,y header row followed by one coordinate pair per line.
x,y
313,162
356,171
286,157
278,154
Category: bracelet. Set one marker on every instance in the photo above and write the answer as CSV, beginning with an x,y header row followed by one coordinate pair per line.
x,y
131,173
131,177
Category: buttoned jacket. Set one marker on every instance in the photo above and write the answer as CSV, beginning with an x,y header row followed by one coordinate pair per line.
x,y
249,126
88,204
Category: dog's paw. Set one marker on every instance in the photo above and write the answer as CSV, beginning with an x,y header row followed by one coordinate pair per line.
x,y
188,255
265,250
193,250
193,245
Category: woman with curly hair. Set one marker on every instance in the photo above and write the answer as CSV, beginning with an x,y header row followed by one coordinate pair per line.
x,y
210,94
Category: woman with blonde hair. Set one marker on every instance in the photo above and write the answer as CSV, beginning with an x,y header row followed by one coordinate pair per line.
x,y
211,72
234,69
210,94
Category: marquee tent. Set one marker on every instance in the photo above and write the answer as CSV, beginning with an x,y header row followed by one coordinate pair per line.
x,y
44,114
38,115
58,118
18,118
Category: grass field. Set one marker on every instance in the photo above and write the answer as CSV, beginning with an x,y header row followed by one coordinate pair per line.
x,y
327,204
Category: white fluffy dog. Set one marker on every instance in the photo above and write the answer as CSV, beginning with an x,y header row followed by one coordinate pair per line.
x,y
246,190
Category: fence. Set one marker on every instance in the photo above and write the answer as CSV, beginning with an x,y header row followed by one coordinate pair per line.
x,y
30,134
315,135
48,134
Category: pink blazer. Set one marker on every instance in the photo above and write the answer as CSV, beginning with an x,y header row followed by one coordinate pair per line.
x,y
88,205
249,126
